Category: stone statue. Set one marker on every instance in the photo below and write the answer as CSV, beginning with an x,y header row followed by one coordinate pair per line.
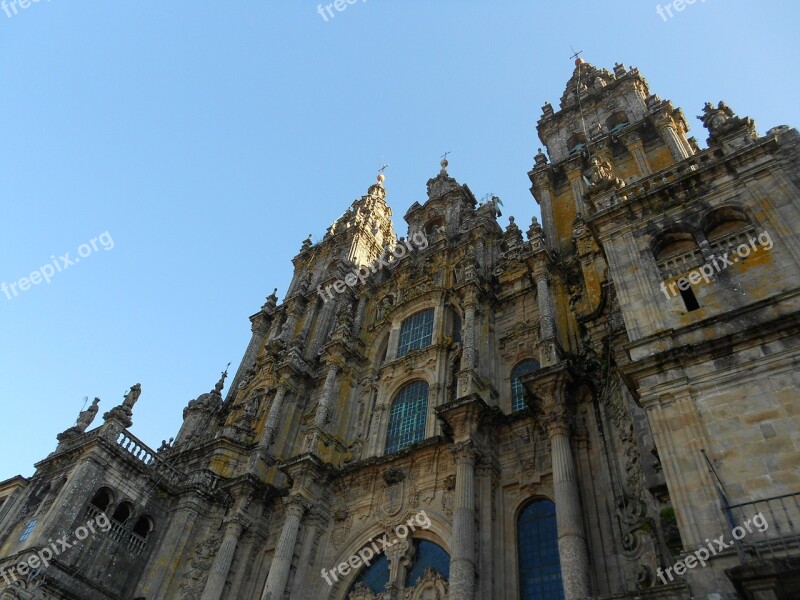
x,y
86,417
601,175
251,408
721,121
132,396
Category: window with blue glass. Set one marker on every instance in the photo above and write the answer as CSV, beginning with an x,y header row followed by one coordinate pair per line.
x,y
427,555
28,528
537,545
407,417
416,332
375,576
517,389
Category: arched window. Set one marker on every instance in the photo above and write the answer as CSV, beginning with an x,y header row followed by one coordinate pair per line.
x,y
144,525
537,547
102,499
416,332
123,512
407,417
518,392
429,561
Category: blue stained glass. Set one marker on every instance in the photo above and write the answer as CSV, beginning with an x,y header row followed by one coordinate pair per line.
x,y
407,417
416,332
28,528
428,555
375,576
517,389
537,543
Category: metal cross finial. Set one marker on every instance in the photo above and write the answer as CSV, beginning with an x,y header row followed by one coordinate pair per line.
x,y
444,156
575,54
383,168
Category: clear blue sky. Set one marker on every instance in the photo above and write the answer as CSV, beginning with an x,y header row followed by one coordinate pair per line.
x,y
209,139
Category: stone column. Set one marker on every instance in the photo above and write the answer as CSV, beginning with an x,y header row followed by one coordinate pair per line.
x,y
218,573
376,441
547,213
272,419
359,318
324,407
547,324
469,353
282,561
572,549
575,177
676,147
462,560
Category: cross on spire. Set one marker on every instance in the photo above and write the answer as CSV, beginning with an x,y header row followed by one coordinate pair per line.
x,y
575,54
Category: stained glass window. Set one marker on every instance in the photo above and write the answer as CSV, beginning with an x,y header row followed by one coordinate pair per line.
x,y
407,417
517,389
415,332
537,543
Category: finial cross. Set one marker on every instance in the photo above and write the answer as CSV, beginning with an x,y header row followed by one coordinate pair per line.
x,y
575,54
444,156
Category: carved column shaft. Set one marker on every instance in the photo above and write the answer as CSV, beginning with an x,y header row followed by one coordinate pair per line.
x,y
548,330
572,548
576,182
462,561
547,217
676,147
221,566
469,354
282,561
323,408
272,419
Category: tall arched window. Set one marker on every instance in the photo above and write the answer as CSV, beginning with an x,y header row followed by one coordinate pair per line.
x,y
537,545
517,389
407,418
416,332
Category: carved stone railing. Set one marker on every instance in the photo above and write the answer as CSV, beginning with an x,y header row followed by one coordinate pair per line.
x,y
148,457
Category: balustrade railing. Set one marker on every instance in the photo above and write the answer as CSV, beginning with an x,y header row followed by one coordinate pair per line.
x,y
780,537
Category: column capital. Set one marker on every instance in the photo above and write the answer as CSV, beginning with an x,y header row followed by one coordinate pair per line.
x,y
464,453
237,523
296,504
557,421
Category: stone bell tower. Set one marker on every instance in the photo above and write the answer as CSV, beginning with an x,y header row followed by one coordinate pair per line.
x,y
607,122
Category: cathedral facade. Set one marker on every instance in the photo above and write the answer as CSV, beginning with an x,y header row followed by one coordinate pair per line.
x,y
606,405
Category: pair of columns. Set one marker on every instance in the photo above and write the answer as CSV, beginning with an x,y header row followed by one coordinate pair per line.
x,y
281,563
572,548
